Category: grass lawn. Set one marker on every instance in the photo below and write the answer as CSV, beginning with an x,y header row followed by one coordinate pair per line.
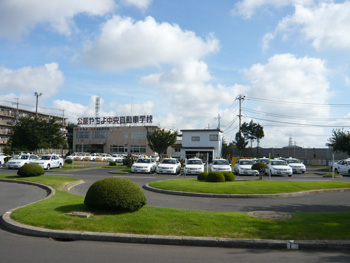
x,y
244,187
51,213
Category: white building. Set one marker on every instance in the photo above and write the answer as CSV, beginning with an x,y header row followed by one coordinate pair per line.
x,y
202,143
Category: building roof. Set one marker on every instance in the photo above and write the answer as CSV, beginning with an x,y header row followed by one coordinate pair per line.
x,y
202,130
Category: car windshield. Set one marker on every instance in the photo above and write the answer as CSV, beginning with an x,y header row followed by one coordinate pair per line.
x,y
194,162
246,162
45,157
171,161
263,161
220,162
293,161
143,161
278,163
24,157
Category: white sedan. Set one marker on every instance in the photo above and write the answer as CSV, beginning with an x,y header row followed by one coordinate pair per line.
x,y
279,167
16,163
49,161
169,166
244,167
194,166
296,165
221,165
144,165
342,167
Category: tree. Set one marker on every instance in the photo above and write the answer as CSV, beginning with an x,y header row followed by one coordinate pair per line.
x,y
31,134
160,139
253,131
340,141
240,142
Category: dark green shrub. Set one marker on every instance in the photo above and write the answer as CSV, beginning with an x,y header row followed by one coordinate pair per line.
x,y
216,177
229,176
116,194
68,161
260,166
30,169
202,176
128,161
112,163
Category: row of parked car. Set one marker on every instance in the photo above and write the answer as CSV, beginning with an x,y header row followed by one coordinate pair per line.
x,y
277,166
46,161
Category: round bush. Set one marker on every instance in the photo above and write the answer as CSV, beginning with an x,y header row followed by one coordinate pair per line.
x,y
112,163
216,177
229,176
117,194
30,169
68,161
202,176
260,166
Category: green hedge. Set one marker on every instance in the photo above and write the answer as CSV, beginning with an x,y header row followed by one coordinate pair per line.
x,y
229,176
30,169
117,194
216,177
202,176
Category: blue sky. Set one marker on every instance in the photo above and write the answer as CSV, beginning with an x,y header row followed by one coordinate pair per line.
x,y
184,62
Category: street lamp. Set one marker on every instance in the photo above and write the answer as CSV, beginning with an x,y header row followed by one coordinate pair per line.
x,y
36,94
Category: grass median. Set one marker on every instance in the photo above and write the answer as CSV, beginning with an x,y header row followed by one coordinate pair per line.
x,y
52,214
245,187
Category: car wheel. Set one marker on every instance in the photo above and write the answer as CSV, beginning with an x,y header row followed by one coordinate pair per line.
x,y
60,165
336,171
289,175
48,167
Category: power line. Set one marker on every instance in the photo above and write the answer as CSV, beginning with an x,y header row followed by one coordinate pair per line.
x,y
299,103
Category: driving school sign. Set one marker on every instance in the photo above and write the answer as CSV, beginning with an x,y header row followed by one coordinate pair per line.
x,y
140,119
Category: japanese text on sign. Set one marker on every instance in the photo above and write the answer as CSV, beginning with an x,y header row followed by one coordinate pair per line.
x,y
141,119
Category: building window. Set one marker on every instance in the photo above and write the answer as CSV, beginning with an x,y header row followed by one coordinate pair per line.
x,y
196,138
138,148
213,137
126,135
83,135
119,148
100,135
138,135
177,149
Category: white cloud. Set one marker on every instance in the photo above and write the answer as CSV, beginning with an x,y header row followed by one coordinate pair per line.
x,y
45,79
247,8
194,101
326,25
17,17
299,80
142,4
124,43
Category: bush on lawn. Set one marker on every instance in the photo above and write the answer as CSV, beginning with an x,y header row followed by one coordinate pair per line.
x,y
112,163
216,177
128,161
229,176
68,161
260,167
116,194
202,176
30,169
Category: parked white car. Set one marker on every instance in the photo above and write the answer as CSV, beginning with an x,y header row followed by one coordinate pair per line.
x,y
279,167
342,167
169,166
221,165
3,158
18,162
144,165
49,161
116,158
296,165
244,167
194,166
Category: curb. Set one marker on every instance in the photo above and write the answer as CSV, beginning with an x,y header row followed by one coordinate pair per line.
x,y
156,239
295,194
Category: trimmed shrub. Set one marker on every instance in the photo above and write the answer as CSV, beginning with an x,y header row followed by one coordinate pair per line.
x,y
112,163
68,161
229,176
128,161
115,194
216,177
202,176
30,169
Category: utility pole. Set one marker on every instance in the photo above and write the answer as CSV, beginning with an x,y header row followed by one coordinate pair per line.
x,y
240,97
36,94
218,121
17,112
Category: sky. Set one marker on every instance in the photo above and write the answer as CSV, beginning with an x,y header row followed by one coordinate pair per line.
x,y
185,62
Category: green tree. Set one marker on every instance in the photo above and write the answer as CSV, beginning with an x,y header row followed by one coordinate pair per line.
x,y
340,141
240,143
160,139
253,131
31,134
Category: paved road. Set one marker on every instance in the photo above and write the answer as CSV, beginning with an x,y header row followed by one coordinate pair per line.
x,y
17,248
